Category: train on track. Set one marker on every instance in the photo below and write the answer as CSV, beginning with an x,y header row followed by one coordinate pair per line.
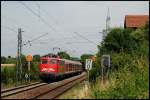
x,y
54,68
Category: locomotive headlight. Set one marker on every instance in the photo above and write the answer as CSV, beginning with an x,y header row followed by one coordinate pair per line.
x,y
51,69
44,69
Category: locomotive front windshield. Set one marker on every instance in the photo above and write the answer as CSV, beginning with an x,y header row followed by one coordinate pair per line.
x,y
44,62
53,61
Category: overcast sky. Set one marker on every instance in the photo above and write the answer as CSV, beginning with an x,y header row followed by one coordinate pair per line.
x,y
61,20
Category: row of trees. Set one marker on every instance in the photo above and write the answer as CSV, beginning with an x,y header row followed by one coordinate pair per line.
x,y
36,58
9,59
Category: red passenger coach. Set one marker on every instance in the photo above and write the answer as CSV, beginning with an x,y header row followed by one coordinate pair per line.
x,y
52,68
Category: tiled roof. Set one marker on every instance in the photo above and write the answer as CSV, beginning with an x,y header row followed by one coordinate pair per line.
x,y
135,20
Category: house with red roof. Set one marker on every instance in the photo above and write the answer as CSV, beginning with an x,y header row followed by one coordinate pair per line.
x,y
135,21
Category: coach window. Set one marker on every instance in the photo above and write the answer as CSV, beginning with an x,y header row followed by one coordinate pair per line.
x,y
53,61
67,67
71,67
61,63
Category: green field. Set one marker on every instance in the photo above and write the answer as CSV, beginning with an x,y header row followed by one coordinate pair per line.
x,y
8,75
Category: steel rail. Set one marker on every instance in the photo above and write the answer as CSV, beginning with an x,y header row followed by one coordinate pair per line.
x,y
54,93
42,90
16,90
18,87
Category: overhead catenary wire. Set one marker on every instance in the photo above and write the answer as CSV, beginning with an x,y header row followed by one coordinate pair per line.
x,y
38,5
48,14
11,29
53,18
29,42
38,10
19,23
85,38
76,42
41,18
45,22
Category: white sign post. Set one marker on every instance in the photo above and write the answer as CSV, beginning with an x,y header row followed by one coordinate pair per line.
x,y
88,66
26,77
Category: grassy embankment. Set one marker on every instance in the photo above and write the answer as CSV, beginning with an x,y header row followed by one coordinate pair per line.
x,y
8,75
129,75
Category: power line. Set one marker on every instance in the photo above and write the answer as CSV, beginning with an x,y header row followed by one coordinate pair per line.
x,y
9,28
42,19
39,9
46,13
13,30
76,42
29,42
51,16
15,21
38,5
57,22
45,22
85,38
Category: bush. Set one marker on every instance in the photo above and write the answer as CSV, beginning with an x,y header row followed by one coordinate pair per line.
x,y
131,81
34,70
7,75
119,60
94,72
3,60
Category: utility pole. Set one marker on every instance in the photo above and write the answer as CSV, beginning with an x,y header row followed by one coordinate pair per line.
x,y
19,54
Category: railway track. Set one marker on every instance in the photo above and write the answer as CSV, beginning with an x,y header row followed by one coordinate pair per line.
x,y
18,87
42,90
13,91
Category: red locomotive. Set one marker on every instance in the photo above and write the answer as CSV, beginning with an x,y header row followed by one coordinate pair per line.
x,y
52,68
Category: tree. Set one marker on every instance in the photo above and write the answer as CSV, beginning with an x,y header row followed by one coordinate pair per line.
x,y
23,58
146,30
9,56
36,58
85,56
3,60
117,40
75,58
63,55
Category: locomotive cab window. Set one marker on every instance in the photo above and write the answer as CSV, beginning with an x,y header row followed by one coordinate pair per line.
x,y
44,62
53,61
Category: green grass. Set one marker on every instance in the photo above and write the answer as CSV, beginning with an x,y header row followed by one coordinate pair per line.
x,y
131,82
79,91
8,75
